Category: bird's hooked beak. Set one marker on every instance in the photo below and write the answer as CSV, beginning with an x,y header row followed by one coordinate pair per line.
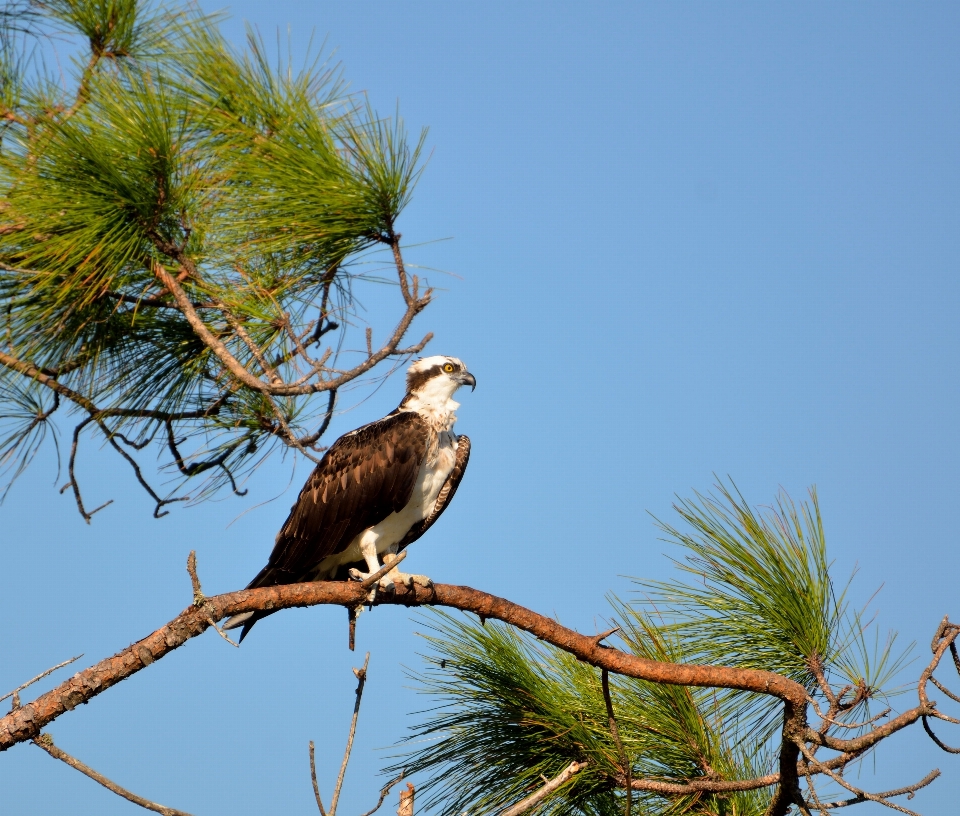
x,y
467,379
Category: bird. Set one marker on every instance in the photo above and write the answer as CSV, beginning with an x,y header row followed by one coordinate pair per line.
x,y
376,490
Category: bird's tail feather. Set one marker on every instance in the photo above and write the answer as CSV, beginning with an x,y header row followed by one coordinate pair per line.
x,y
265,577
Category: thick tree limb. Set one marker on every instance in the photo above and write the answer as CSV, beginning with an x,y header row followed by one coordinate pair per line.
x,y
27,722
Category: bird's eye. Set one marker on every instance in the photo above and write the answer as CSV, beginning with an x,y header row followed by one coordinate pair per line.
x,y
448,367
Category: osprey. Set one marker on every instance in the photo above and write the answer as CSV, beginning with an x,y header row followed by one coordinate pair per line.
x,y
376,490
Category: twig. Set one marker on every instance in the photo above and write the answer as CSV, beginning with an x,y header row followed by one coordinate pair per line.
x,y
604,635
370,580
940,744
353,613
909,790
199,600
944,689
858,793
312,438
16,692
313,777
198,597
383,794
241,332
137,472
361,681
71,465
542,793
45,742
615,733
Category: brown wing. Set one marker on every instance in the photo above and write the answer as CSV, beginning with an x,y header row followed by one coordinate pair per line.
x,y
364,477
446,495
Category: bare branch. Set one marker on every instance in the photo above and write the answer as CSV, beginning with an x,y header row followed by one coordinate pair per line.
x,y
312,438
313,777
71,470
384,791
361,682
615,733
137,472
538,796
909,790
858,793
45,741
16,692
198,597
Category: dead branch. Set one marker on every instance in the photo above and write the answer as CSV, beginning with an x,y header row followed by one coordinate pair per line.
x,y
615,733
361,675
313,777
909,790
858,792
370,580
45,741
361,682
198,597
16,692
539,795
136,471
384,791
71,470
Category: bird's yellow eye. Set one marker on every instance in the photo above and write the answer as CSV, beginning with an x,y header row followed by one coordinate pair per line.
x,y
448,367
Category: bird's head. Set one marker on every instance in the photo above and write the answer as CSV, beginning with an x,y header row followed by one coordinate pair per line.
x,y
433,380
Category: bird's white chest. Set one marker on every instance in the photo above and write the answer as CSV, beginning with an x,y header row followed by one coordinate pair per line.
x,y
433,474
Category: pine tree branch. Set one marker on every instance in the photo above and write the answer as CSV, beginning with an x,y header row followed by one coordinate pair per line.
x,y
27,722
415,304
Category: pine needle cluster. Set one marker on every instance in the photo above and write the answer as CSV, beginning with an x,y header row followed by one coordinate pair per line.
x,y
179,229
511,712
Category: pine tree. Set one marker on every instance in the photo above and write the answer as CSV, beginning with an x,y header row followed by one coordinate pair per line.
x,y
180,235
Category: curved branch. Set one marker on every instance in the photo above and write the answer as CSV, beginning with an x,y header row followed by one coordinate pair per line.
x,y
27,722
415,304
45,741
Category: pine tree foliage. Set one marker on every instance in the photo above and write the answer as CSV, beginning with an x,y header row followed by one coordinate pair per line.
x,y
510,712
179,175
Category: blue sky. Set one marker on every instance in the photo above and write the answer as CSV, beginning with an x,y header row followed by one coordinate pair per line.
x,y
686,239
